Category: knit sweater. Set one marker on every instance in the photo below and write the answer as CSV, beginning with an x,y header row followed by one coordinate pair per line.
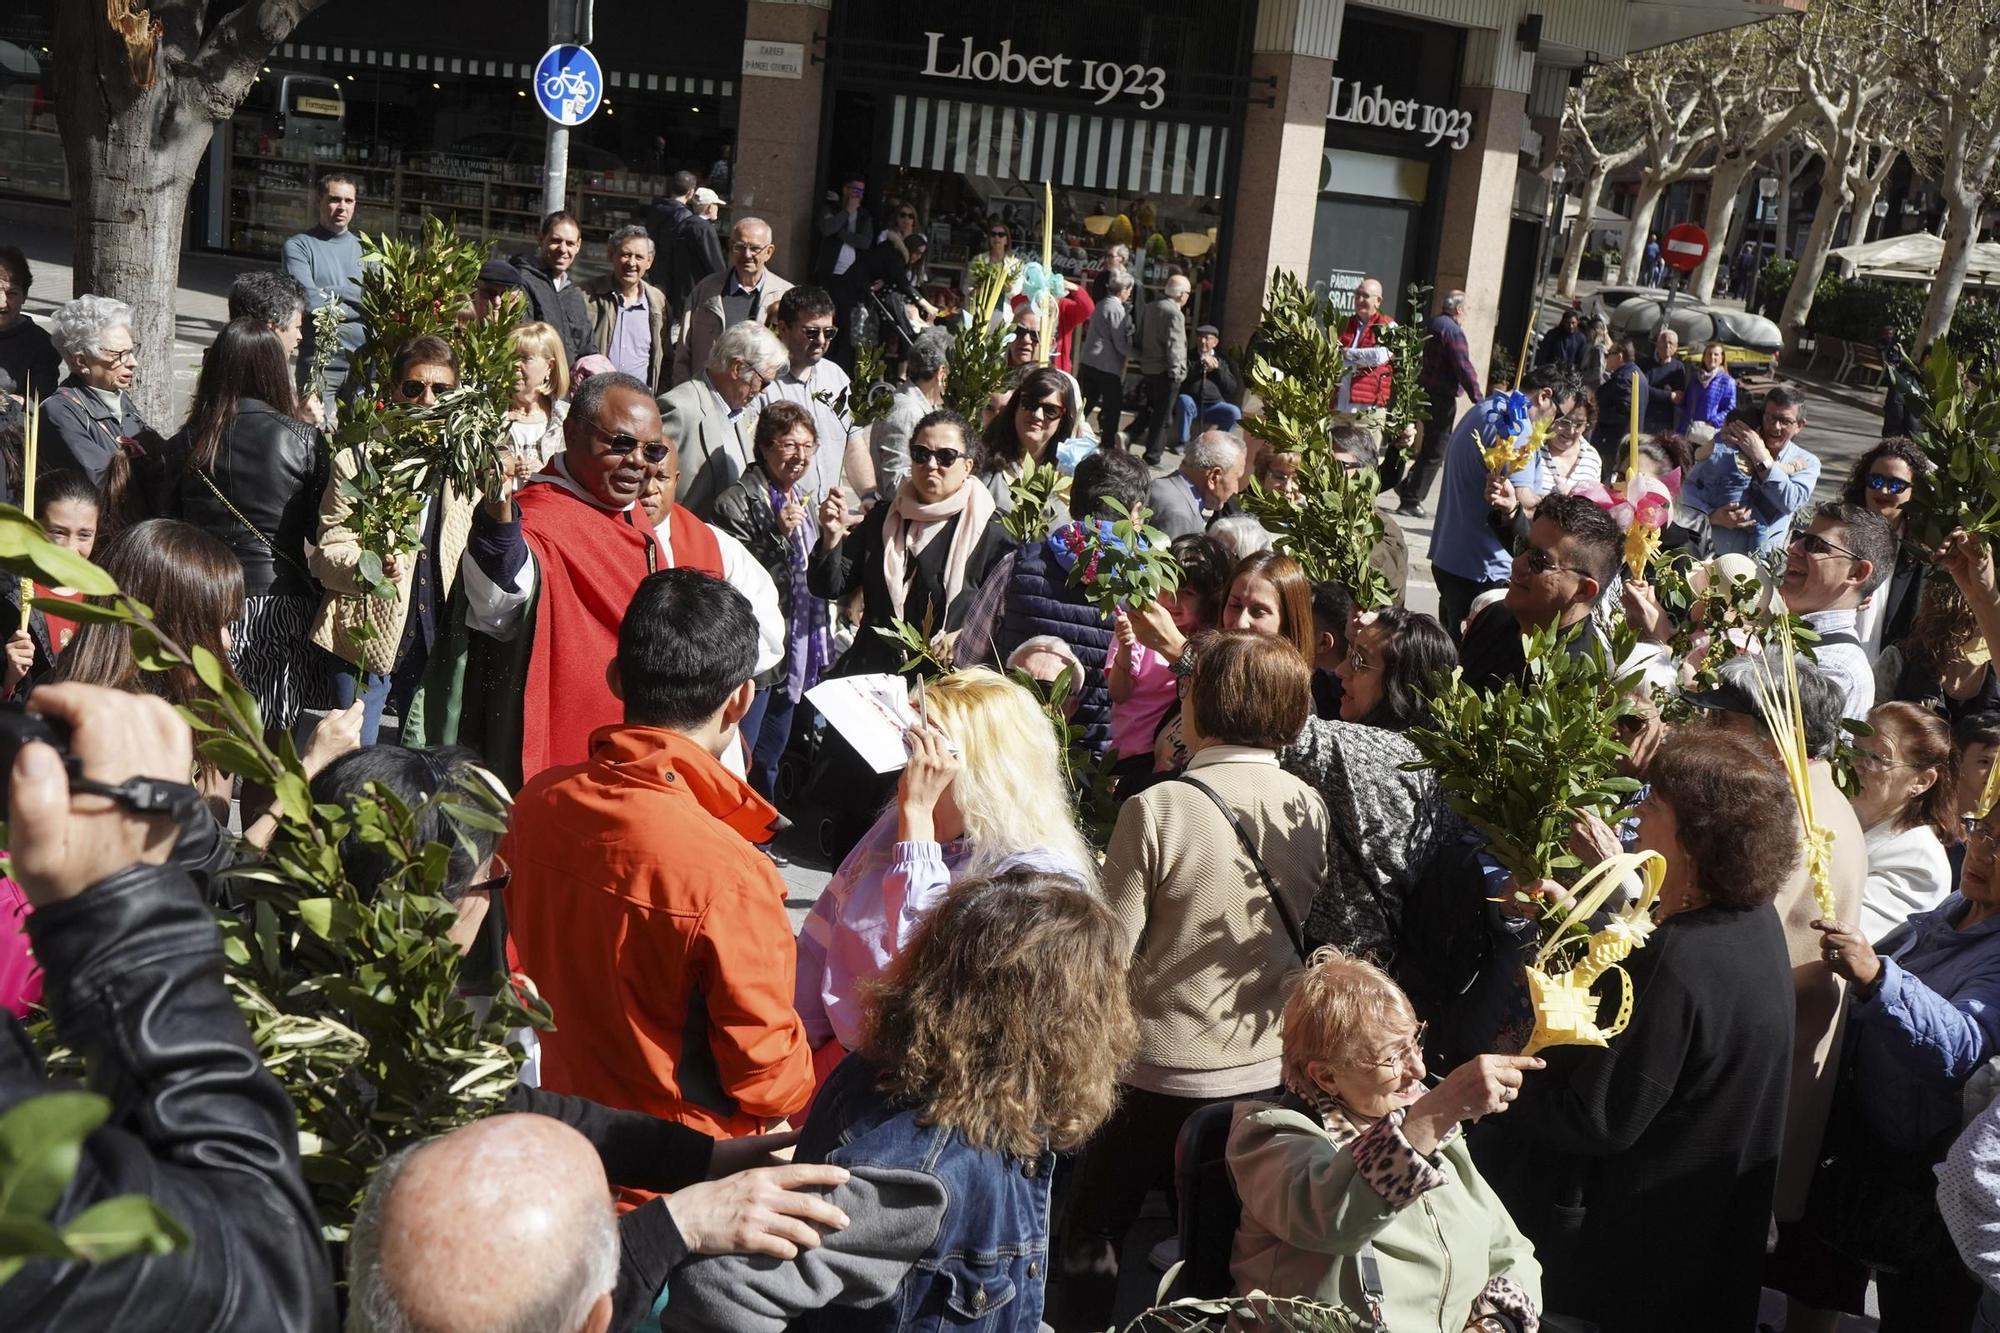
x,y
1210,952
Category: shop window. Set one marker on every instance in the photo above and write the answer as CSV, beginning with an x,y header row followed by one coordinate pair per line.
x,y
31,156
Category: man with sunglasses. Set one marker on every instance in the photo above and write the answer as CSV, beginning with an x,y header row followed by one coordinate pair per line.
x,y
805,326
745,290
1570,557
548,572
1756,478
1624,381
1831,567
844,228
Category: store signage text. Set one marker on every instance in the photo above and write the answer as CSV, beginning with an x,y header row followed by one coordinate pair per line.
x,y
1438,124
1145,84
774,60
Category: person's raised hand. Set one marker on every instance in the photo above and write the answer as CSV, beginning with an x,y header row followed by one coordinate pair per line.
x,y
1731,516
392,566
1122,631
1154,626
762,1211
1591,840
791,516
926,778
337,734
1848,953
1500,493
833,517
1644,612
63,844
20,659
1482,1086
1968,558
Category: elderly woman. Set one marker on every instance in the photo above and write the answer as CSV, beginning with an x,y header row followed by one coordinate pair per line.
x,y
1394,657
255,471
1211,876
706,415
1634,1167
1907,806
921,557
1041,413
983,792
1924,1015
769,510
993,1043
90,424
541,393
1360,1162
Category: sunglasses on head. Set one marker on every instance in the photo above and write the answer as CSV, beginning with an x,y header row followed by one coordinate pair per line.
x,y
415,388
655,452
1892,485
941,458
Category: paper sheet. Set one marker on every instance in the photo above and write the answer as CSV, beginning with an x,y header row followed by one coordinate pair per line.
x,y
872,712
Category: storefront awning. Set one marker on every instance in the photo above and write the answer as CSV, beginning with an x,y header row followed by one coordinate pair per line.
x,y
422,62
1112,153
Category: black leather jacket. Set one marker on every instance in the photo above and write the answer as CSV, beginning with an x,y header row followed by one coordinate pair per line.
x,y
134,983
272,468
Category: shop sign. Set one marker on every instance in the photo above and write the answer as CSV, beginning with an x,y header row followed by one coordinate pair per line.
x,y
774,60
1146,85
1337,286
1437,124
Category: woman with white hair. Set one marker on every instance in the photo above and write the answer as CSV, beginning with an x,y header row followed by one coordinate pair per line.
x,y
983,793
91,425
708,417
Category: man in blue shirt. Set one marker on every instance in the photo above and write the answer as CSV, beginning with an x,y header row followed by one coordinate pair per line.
x,y
1468,552
326,260
1756,478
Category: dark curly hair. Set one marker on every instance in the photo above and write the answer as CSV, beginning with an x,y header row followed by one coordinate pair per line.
x,y
1855,492
1736,818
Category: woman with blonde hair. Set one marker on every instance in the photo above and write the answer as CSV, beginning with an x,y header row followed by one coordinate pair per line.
x,y
1328,1177
991,1044
541,393
983,793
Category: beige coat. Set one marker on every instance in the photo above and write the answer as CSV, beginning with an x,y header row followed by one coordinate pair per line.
x,y
1818,994
601,293
1210,953
347,605
701,323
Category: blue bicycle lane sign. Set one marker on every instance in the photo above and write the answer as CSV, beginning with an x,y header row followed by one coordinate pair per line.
x,y
569,84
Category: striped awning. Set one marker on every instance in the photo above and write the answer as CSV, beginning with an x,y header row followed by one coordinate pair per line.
x,y
420,62
1126,156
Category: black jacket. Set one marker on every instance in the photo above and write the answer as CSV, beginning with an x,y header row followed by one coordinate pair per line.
x,y
1209,387
834,573
134,984
686,247
566,311
743,510
272,468
81,433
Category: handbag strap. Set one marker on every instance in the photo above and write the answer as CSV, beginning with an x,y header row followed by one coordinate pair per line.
x,y
253,529
1293,932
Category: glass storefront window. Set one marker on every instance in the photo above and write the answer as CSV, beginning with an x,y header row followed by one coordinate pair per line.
x,y
31,156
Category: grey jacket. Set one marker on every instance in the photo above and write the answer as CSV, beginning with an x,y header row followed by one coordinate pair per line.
x,y
1163,340
1107,339
703,320
1174,511
713,452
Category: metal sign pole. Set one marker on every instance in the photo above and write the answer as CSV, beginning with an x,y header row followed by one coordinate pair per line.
x,y
570,23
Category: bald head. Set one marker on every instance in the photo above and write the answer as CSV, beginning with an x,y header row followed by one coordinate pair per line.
x,y
504,1226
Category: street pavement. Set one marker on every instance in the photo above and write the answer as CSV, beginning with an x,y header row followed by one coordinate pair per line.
x,y
1842,422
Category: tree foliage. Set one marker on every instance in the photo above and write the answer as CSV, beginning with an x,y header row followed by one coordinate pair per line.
x,y
41,1144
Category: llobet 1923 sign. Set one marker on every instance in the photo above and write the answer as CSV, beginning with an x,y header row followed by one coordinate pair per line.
x,y
1438,124
1146,85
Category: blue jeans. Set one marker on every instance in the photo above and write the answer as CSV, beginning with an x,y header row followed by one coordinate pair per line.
x,y
772,737
1221,415
377,692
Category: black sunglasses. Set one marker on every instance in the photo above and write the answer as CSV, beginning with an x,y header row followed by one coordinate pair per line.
x,y
1815,544
941,458
1893,485
415,388
1046,411
655,452
816,335
1000,235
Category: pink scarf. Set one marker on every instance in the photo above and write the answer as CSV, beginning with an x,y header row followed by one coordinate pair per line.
x,y
912,525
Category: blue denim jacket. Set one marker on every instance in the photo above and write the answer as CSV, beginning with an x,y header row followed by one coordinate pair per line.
x,y
1934,1018
1717,482
987,1267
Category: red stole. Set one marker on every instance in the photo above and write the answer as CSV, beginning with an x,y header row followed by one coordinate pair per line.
x,y
588,564
694,543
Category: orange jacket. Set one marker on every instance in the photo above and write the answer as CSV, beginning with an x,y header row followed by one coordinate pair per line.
x,y
658,935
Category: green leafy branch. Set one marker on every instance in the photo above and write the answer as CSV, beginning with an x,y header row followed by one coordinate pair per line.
x,y
1034,494
1521,762
975,369
1122,563
41,1145
326,320
1957,420
1409,405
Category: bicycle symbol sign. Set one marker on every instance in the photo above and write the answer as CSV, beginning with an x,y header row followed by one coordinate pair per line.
x,y
569,84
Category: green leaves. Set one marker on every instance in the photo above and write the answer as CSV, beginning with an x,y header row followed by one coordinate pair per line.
x,y
1128,565
1958,421
976,368
41,1144
1519,763
1034,493
1409,405
26,553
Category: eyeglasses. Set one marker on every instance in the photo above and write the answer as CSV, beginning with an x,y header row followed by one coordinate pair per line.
x,y
1027,336
1788,423
414,389
1814,544
939,458
1893,485
497,882
1413,1046
1570,425
128,357
908,213
745,248
1358,660
1539,561
1044,411
813,333
1979,842
654,451
1000,235
763,381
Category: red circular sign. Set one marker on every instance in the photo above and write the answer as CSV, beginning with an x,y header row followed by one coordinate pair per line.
x,y
1684,247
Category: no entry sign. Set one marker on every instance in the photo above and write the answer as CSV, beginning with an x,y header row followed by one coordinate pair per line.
x,y
1685,247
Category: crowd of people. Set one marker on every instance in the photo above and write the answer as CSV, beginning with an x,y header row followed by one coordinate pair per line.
x,y
990,1042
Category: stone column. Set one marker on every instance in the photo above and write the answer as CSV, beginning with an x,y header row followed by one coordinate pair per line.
x,y
777,134
1277,187
1478,211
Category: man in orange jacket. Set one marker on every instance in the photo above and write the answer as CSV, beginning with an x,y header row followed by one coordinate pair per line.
x,y
639,904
